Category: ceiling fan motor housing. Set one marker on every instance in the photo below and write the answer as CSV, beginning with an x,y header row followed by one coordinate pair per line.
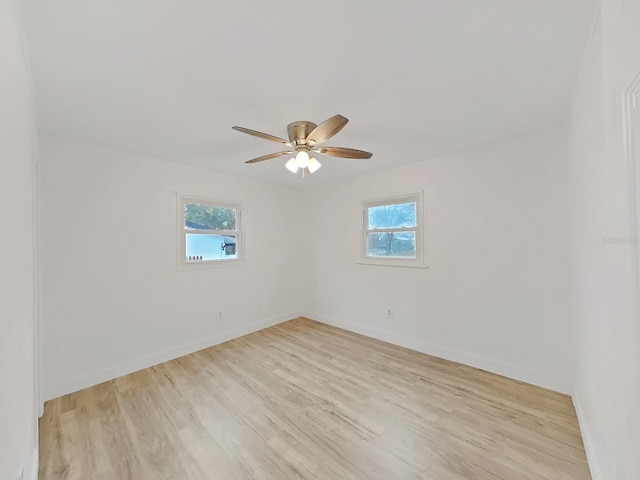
x,y
298,131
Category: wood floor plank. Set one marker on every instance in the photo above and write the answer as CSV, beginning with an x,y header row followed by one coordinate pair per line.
x,y
303,400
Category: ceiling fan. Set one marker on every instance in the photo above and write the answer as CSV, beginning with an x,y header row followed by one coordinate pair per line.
x,y
304,138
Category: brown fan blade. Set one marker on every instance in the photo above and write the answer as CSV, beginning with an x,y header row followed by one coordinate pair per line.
x,y
266,136
343,152
327,129
268,157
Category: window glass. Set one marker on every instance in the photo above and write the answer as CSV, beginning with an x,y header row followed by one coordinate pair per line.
x,y
209,217
392,244
210,247
394,215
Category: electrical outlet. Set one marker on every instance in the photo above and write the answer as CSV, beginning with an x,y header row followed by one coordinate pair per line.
x,y
389,312
219,316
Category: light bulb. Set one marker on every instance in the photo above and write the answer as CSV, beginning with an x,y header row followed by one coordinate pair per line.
x,y
314,165
291,165
302,159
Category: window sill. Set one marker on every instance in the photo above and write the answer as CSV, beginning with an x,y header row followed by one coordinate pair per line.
x,y
204,265
392,263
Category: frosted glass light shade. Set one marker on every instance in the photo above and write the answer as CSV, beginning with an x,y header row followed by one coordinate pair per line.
x,y
314,165
291,165
302,159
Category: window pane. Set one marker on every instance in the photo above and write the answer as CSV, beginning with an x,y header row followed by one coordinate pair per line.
x,y
392,244
209,217
395,215
201,247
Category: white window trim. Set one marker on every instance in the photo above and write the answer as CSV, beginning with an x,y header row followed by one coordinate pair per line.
x,y
420,260
182,262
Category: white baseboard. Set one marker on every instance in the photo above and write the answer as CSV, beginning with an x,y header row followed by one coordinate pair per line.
x,y
587,439
124,368
512,371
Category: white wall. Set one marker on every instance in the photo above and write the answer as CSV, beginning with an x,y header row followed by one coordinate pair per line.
x,y
606,329
18,418
495,295
112,299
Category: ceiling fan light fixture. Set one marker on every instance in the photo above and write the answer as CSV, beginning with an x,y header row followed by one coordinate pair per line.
x,y
291,165
314,165
302,159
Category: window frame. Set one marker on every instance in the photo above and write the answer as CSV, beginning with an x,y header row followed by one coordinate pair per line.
x,y
419,260
182,231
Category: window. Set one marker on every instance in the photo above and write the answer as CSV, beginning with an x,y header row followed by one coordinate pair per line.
x,y
209,232
392,231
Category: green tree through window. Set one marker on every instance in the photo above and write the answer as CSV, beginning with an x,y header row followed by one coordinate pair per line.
x,y
211,217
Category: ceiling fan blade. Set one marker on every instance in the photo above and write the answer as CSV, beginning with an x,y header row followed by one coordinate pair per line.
x,y
268,157
327,129
266,136
343,152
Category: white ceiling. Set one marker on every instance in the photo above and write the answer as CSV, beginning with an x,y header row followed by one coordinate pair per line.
x,y
169,78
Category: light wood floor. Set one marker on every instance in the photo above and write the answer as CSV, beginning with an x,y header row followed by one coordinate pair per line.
x,y
303,400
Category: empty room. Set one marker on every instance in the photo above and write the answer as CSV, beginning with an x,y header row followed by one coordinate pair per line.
x,y
344,240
